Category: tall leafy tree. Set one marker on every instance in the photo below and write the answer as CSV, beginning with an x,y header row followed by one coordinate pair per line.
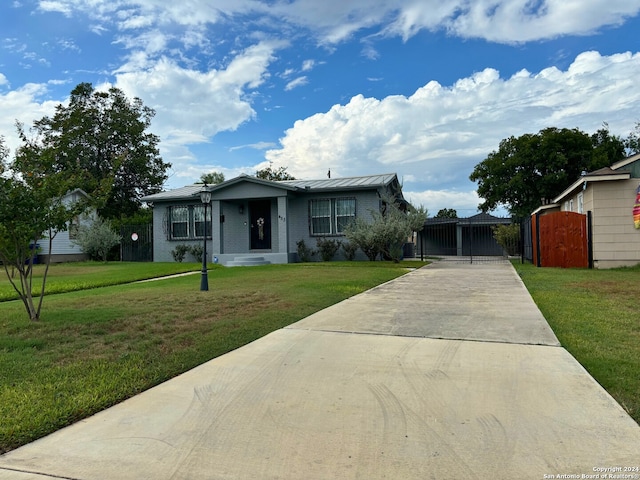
x,y
447,213
212,178
31,210
632,142
271,173
532,168
101,140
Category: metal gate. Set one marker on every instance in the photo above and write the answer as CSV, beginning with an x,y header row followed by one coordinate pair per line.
x,y
526,237
137,243
464,240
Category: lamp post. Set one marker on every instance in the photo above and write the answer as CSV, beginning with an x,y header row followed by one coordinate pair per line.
x,y
205,198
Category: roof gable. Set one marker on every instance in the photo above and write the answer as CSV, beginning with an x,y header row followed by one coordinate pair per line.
x,y
627,162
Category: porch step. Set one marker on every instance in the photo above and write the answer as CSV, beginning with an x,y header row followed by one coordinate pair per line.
x,y
247,262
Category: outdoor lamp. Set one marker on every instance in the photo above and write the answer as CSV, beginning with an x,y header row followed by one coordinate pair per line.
x,y
205,198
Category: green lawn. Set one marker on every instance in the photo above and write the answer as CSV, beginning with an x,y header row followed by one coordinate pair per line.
x,y
595,315
94,348
70,277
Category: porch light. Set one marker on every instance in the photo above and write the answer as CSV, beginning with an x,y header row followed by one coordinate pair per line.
x,y
205,198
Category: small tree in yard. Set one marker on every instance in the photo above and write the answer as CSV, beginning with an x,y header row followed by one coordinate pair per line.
x,y
388,230
31,209
97,239
508,237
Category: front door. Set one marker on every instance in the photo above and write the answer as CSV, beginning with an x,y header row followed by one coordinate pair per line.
x,y
260,217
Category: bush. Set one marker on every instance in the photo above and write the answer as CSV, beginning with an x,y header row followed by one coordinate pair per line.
x,y
328,247
349,250
387,231
179,252
97,239
304,252
508,237
197,251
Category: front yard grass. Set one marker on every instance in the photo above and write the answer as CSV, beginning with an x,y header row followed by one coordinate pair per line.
x,y
94,348
595,315
70,277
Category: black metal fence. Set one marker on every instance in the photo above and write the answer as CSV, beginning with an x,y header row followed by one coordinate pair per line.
x,y
137,243
466,240
526,239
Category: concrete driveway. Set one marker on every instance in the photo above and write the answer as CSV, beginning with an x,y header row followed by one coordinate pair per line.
x,y
449,372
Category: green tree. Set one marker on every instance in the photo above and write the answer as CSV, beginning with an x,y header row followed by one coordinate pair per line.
x,y
101,140
528,169
270,173
607,148
508,237
212,178
32,209
632,142
447,213
97,239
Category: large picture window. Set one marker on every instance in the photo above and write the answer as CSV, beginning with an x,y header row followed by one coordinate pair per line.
x,y
188,222
331,216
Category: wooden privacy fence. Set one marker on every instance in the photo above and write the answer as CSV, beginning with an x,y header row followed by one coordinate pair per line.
x,y
562,239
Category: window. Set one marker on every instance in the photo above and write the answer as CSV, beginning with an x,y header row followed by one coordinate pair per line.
x,y
180,222
188,222
199,222
571,205
330,216
580,203
321,217
74,226
345,213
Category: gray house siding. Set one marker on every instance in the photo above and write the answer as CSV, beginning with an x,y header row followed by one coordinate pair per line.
x,y
301,230
163,244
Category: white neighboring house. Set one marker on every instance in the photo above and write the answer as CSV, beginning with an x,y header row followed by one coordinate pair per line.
x,y
62,247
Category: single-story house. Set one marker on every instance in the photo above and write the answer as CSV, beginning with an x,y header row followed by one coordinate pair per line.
x,y
62,247
461,236
608,196
253,220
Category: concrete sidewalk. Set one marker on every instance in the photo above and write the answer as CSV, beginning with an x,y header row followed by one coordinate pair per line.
x,y
449,372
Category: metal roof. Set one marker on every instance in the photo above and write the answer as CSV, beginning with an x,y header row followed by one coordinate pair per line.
x,y
175,194
347,183
369,181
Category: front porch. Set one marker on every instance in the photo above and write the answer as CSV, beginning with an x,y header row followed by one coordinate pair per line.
x,y
250,231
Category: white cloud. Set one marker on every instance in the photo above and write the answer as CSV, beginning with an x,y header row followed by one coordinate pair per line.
x,y
516,21
308,65
255,146
56,6
440,133
297,82
193,106
333,21
23,105
464,202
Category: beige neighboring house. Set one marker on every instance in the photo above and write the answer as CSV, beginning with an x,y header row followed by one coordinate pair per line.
x,y
609,194
63,249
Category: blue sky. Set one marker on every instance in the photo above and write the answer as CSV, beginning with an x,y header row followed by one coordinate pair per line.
x,y
423,88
